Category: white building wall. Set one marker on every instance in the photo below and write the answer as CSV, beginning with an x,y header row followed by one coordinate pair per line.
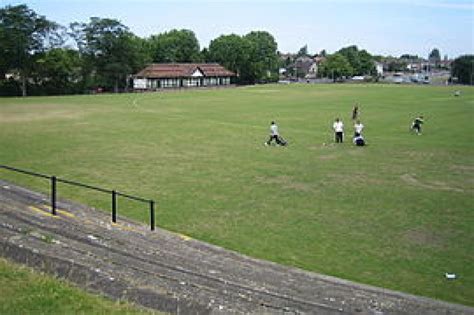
x,y
139,84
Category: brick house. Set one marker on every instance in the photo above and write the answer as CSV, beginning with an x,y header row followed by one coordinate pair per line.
x,y
182,75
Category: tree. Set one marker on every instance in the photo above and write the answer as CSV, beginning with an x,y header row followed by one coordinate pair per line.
x,y
303,51
409,57
264,58
23,35
336,66
352,55
361,61
463,69
366,63
435,56
204,55
394,64
110,51
175,46
58,71
233,52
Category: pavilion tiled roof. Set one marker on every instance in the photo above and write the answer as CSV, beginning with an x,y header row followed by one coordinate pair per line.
x,y
180,70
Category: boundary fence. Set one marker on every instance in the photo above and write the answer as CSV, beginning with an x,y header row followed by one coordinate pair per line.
x,y
114,194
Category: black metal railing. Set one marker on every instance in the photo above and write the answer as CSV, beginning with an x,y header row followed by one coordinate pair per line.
x,y
54,180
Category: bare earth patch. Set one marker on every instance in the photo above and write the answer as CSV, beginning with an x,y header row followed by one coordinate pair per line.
x,y
328,157
266,91
462,168
286,182
434,185
355,179
423,238
34,116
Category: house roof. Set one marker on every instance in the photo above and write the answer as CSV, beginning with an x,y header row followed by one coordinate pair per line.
x,y
179,70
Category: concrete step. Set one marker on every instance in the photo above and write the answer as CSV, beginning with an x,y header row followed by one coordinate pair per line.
x,y
175,273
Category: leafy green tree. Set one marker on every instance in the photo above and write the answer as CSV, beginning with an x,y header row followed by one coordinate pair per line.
x,y
463,69
336,66
352,55
58,71
393,64
303,51
366,63
435,56
263,57
409,57
361,61
175,46
23,35
234,53
204,55
111,52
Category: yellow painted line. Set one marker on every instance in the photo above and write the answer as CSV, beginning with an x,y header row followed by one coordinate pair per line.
x,y
63,212
43,212
124,227
184,237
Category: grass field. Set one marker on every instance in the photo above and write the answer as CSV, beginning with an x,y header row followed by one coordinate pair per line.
x,y
397,213
23,291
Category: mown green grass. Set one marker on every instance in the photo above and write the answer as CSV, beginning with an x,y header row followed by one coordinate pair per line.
x,y
397,213
23,291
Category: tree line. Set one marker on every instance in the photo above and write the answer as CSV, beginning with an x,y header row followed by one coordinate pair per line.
x,y
41,57
36,57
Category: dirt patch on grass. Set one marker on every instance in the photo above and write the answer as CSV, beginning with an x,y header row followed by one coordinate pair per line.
x,y
266,91
35,116
462,168
354,179
433,185
285,182
420,155
328,157
423,238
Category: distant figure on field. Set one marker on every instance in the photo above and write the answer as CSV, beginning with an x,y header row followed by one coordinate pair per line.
x,y
416,124
275,135
338,128
358,127
355,112
359,141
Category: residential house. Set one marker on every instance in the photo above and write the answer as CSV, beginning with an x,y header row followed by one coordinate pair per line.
x,y
303,65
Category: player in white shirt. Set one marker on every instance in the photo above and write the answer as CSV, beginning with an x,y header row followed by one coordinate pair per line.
x,y
275,135
338,127
358,127
416,124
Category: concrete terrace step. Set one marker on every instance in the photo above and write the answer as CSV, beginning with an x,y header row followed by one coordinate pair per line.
x,y
174,273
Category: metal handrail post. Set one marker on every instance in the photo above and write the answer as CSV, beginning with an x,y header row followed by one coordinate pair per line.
x,y
114,206
152,215
53,195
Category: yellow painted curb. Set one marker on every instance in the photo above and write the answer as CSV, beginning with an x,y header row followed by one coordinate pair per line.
x,y
184,237
63,212
43,212
124,227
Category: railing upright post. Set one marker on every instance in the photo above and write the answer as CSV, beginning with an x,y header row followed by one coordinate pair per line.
x,y
53,195
114,206
152,215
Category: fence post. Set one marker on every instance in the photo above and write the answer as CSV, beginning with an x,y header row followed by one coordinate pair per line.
x,y
152,215
114,206
53,195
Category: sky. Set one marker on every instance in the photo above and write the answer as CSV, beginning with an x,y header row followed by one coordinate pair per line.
x,y
382,27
